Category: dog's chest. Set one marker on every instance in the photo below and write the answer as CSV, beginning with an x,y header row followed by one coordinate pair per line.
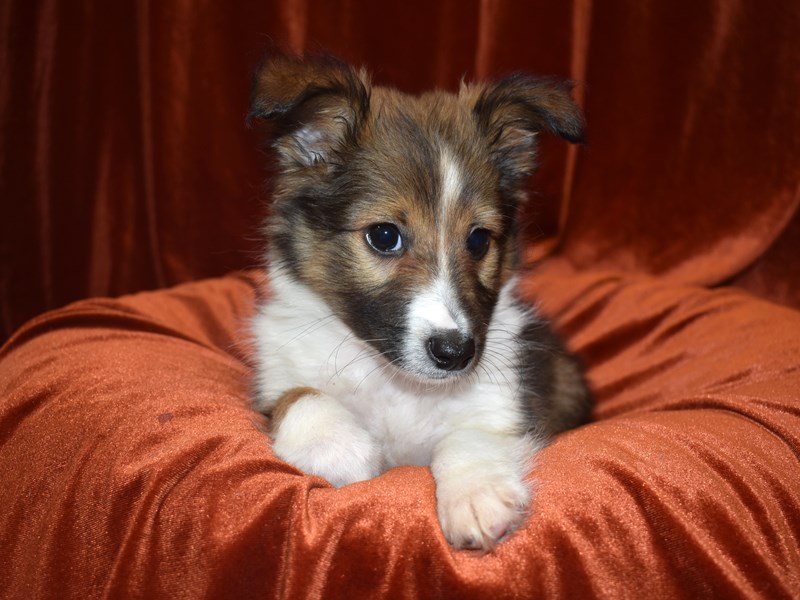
x,y
404,418
301,343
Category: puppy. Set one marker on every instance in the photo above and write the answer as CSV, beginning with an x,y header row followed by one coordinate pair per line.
x,y
392,334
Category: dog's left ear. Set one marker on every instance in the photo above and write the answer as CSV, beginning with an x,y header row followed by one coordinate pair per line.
x,y
511,113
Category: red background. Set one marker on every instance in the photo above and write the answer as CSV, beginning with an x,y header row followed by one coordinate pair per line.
x,y
125,163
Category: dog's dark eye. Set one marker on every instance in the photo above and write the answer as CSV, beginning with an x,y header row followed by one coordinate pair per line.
x,y
478,243
385,238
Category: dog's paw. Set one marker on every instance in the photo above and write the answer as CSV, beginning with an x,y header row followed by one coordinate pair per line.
x,y
321,437
475,513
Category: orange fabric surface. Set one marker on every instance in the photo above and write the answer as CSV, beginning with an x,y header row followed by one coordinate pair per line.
x,y
131,465
125,164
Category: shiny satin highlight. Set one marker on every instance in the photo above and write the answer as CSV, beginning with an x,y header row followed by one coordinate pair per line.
x,y
132,464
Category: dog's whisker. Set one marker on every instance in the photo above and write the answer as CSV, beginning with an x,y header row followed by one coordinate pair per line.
x,y
380,366
364,353
498,371
314,326
335,351
499,356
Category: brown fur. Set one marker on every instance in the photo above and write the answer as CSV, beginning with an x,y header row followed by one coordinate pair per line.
x,y
283,404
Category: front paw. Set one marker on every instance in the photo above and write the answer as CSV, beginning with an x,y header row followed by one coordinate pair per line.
x,y
476,513
321,437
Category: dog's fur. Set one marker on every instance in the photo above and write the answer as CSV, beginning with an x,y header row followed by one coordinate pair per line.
x,y
419,354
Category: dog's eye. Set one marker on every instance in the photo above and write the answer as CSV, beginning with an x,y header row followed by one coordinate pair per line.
x,y
478,242
385,238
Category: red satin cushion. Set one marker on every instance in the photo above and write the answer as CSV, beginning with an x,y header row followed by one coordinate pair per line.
x,y
131,464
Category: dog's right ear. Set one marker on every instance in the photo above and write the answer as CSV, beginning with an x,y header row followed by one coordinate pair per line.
x,y
318,105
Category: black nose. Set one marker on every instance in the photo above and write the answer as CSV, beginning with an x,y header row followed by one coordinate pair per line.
x,y
451,351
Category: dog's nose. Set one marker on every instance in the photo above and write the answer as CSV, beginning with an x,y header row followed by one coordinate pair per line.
x,y
451,351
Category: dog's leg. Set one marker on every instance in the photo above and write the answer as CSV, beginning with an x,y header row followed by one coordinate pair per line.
x,y
315,433
480,487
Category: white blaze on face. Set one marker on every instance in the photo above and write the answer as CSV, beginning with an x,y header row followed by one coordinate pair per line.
x,y
431,310
450,175
436,307
442,299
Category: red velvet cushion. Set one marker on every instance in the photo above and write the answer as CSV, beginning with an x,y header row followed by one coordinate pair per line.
x,y
131,464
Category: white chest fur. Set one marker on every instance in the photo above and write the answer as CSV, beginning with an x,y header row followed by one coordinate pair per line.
x,y
301,343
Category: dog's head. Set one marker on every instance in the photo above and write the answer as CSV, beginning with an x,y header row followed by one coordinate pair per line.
x,y
400,211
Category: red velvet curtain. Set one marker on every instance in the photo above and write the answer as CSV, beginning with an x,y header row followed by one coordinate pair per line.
x,y
125,163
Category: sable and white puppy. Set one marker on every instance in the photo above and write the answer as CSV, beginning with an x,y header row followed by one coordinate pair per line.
x,y
391,334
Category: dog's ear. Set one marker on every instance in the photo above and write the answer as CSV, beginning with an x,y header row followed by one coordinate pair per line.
x,y
511,113
317,104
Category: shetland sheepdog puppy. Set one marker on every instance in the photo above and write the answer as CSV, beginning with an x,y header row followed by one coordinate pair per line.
x,y
391,333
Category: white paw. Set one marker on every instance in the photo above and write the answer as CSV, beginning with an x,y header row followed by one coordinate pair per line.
x,y
477,512
321,437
